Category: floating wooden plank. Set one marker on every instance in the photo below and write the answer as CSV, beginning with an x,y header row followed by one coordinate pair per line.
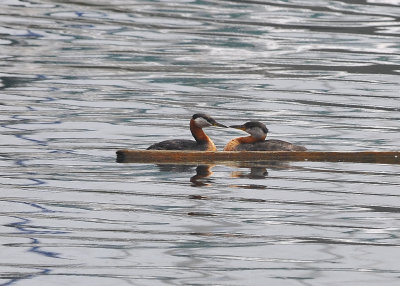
x,y
163,156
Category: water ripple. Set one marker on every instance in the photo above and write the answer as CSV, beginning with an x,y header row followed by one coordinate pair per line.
x,y
82,79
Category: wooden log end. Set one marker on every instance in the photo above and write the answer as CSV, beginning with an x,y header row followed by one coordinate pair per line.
x,y
122,156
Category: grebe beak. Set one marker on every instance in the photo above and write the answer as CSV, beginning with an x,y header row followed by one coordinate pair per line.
x,y
219,125
240,127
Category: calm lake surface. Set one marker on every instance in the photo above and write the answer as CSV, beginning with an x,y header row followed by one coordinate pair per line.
x,y
82,79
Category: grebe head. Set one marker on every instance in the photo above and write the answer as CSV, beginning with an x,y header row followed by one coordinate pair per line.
x,y
202,120
254,128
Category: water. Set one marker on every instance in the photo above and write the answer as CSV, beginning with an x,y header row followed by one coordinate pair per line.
x,y
80,80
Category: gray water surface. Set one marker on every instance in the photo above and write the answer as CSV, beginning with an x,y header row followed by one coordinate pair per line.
x,y
81,79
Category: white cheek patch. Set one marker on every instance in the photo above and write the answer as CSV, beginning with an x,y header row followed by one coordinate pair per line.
x,y
201,122
256,132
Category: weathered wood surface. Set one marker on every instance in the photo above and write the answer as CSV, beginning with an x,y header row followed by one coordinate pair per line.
x,y
161,156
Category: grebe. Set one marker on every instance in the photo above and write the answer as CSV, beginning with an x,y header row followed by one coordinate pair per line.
x,y
202,143
256,141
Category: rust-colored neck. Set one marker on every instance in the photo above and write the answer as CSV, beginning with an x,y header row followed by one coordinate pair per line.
x,y
201,137
250,139
234,143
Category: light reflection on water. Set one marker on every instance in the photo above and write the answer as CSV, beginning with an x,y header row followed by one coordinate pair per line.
x,y
81,80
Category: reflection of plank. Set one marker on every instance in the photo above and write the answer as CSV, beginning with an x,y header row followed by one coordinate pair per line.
x,y
161,156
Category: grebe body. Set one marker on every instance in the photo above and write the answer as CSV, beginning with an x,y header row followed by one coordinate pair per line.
x,y
256,141
201,143
182,144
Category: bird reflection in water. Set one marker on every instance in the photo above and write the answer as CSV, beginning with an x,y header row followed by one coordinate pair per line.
x,y
258,171
201,178
202,172
197,180
255,173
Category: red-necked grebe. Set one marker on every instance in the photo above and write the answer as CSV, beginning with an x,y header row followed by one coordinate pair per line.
x,y
256,141
202,143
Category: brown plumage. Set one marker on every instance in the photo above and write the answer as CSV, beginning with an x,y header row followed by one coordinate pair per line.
x,y
202,141
256,141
